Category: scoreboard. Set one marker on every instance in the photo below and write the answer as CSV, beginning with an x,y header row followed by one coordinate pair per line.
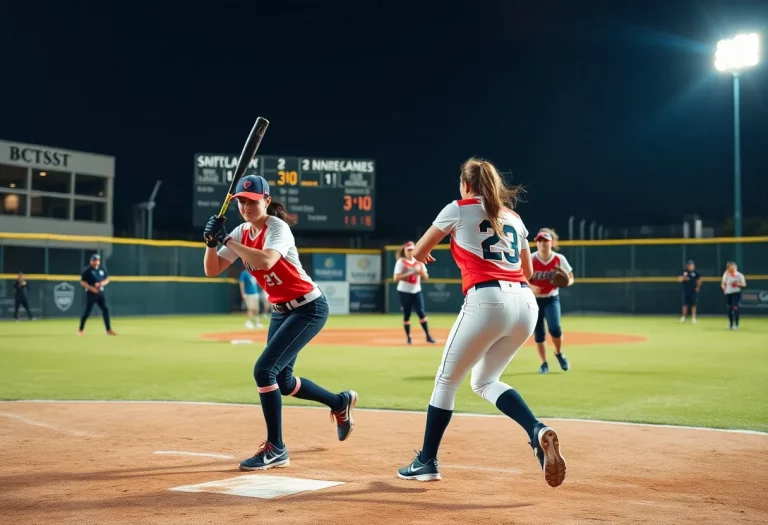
x,y
319,193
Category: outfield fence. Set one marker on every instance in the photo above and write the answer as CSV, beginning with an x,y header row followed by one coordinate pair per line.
x,y
166,277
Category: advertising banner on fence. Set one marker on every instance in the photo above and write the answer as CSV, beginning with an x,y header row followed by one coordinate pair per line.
x,y
751,298
363,268
365,298
329,266
337,294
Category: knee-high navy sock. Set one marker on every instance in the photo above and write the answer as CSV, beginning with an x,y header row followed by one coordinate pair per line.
x,y
425,327
312,392
437,422
736,316
730,316
407,328
272,406
512,404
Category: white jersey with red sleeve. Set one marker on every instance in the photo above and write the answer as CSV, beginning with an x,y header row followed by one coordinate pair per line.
x,y
543,271
412,283
286,280
479,252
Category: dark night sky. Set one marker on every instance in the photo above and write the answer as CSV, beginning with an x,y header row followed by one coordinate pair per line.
x,y
607,112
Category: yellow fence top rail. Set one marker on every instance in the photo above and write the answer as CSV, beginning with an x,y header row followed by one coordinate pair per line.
x,y
629,242
90,239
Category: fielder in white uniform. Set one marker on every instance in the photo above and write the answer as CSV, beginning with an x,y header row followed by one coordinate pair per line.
x,y
732,283
408,275
489,244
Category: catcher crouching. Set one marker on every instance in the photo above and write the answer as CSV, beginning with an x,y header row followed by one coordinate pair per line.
x,y
551,271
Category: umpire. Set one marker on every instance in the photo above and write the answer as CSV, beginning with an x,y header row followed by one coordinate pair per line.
x,y
20,287
94,279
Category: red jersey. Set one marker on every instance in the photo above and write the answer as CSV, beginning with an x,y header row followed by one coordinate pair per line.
x,y
479,252
543,271
286,280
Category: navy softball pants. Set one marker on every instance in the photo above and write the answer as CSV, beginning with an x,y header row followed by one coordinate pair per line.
x,y
288,334
549,310
412,302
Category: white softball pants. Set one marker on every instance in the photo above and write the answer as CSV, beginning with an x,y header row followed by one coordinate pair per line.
x,y
492,325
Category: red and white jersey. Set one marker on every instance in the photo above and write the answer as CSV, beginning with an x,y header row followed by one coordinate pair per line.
x,y
286,280
412,283
480,254
543,272
733,282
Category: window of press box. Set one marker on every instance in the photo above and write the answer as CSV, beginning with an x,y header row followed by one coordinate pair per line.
x,y
51,181
13,204
49,207
13,177
90,211
91,185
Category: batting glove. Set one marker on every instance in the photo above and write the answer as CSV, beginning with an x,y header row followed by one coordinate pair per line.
x,y
214,231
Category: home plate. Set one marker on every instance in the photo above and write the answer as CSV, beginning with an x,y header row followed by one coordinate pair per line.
x,y
259,486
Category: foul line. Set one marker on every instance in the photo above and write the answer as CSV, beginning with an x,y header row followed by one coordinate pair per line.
x,y
388,411
196,454
41,424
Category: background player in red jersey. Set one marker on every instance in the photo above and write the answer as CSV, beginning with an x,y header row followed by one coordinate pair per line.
x,y
408,275
266,246
545,261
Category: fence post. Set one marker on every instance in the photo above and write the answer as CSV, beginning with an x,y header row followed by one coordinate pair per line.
x,y
46,267
632,283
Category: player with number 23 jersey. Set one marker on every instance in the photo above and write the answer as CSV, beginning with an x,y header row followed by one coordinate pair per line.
x,y
489,244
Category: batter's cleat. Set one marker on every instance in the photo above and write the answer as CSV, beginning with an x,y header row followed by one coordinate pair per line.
x,y
564,364
547,451
269,456
430,339
249,325
420,471
544,368
344,419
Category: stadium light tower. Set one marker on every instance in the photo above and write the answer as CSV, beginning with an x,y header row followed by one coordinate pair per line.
x,y
734,56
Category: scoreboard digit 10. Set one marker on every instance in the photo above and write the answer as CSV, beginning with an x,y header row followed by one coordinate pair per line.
x,y
320,194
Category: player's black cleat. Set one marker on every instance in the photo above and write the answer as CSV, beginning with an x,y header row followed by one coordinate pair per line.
x,y
268,456
546,448
420,471
344,419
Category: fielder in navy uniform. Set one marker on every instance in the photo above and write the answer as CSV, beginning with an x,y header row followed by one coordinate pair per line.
x,y
94,279
691,280
20,286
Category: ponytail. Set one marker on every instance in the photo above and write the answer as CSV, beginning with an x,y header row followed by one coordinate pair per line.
x,y
278,209
400,253
483,179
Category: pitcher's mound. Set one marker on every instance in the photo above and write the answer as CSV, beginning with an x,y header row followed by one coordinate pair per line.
x,y
395,337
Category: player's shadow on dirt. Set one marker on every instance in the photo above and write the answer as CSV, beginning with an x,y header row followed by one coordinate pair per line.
x,y
381,488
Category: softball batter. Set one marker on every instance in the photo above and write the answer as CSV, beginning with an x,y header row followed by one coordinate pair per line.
x,y
489,245
545,262
265,244
408,275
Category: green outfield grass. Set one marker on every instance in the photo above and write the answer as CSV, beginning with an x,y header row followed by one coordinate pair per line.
x,y
700,375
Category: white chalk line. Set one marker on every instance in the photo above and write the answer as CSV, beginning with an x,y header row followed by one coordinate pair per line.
x,y
42,424
196,454
391,411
